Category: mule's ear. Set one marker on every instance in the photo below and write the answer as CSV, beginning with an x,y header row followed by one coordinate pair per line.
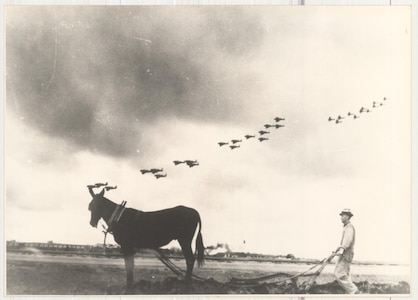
x,y
90,187
102,192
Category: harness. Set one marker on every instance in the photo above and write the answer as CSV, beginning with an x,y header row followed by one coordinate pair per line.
x,y
113,220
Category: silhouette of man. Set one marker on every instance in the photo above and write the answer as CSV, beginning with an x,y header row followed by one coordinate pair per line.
x,y
345,253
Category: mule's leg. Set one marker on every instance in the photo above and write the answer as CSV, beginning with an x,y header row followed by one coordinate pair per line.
x,y
188,255
129,266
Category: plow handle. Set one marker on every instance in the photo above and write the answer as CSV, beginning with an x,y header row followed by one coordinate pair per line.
x,y
318,272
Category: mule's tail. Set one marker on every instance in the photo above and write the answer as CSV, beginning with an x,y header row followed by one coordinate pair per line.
x,y
200,249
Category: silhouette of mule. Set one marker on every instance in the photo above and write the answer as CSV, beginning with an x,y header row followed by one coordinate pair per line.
x,y
134,229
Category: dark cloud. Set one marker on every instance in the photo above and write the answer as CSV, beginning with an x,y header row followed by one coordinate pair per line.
x,y
98,77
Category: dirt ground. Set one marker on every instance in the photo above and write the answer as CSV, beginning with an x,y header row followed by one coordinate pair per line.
x,y
56,278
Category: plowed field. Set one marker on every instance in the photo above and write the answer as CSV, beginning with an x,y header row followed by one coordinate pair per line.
x,y
76,275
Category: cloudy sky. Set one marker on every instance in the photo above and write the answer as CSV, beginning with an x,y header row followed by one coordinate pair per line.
x,y
95,94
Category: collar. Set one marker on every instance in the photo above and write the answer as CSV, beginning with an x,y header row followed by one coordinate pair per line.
x,y
116,215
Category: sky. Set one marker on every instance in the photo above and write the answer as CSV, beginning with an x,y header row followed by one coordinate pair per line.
x,y
94,94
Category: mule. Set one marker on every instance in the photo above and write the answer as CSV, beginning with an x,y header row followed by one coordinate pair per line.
x,y
134,229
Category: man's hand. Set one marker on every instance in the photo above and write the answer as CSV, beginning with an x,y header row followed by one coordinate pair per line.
x,y
340,251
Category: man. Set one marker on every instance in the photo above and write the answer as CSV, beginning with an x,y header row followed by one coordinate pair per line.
x,y
345,253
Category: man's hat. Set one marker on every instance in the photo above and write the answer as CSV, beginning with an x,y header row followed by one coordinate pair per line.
x,y
346,211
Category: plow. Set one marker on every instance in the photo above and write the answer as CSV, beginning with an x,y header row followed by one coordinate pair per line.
x,y
298,283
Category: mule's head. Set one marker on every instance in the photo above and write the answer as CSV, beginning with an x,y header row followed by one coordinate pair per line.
x,y
96,206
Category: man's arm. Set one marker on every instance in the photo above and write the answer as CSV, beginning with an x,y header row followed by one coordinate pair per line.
x,y
347,240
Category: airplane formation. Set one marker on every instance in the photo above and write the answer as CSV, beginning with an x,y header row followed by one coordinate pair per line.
x,y
158,172
190,163
262,135
105,185
108,188
154,171
232,144
363,110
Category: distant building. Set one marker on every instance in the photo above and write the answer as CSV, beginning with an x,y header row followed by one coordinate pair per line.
x,y
50,246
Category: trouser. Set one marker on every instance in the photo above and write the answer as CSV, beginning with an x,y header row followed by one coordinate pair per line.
x,y
342,273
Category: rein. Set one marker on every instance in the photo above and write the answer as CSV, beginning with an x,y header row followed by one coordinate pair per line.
x,y
113,220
